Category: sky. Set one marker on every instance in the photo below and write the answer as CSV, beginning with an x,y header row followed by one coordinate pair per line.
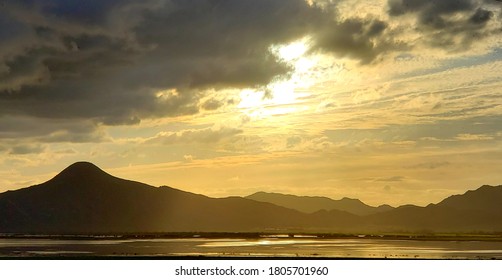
x,y
387,101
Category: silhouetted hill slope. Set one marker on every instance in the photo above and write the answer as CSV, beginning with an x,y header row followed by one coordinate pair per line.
x,y
486,198
311,204
478,210
85,199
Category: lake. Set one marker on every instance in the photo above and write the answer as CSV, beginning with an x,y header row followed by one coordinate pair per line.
x,y
253,247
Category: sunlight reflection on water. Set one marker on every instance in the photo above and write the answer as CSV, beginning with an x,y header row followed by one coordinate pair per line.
x,y
259,242
256,247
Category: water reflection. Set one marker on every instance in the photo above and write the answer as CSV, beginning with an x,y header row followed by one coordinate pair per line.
x,y
257,247
258,242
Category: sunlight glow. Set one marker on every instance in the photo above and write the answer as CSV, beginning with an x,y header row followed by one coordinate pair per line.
x,y
256,104
290,52
282,96
251,99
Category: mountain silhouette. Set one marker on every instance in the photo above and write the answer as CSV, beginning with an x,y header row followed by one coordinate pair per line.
x,y
486,198
477,210
311,204
84,199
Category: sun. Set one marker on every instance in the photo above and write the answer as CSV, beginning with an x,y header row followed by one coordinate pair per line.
x,y
282,96
291,51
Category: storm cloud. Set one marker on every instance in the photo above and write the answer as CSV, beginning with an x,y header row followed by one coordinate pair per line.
x,y
453,24
105,62
362,39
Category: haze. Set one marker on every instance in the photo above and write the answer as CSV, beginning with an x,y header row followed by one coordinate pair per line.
x,y
394,101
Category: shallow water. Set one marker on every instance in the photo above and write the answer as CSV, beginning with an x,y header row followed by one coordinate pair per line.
x,y
258,247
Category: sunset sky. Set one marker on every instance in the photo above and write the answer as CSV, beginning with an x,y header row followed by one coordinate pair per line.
x,y
388,101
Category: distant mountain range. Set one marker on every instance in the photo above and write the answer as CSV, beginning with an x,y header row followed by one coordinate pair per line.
x,y
85,199
311,204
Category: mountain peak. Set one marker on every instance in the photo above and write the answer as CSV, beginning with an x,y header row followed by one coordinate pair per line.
x,y
82,166
81,170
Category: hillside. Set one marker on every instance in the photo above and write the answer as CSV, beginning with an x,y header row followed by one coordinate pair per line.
x,y
85,199
474,211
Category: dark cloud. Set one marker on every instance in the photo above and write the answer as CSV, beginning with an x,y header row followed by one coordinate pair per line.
x,y
481,16
452,24
430,7
211,104
10,28
363,39
105,62
15,129
89,11
222,43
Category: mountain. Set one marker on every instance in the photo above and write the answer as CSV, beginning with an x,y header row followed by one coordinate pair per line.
x,y
85,199
311,204
475,210
486,198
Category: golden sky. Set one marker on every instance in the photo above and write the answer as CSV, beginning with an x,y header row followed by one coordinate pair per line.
x,y
394,101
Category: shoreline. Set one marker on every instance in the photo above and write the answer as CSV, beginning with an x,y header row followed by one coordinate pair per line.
x,y
493,237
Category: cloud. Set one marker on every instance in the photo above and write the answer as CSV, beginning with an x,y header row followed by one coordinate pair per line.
x,y
430,165
188,158
119,62
211,104
108,61
293,141
17,128
27,149
434,8
473,137
391,179
447,130
448,24
201,136
234,179
362,39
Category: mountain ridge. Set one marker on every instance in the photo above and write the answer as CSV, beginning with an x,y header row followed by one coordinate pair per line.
x,y
85,199
312,204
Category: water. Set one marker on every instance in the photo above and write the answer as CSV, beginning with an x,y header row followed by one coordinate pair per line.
x,y
256,247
